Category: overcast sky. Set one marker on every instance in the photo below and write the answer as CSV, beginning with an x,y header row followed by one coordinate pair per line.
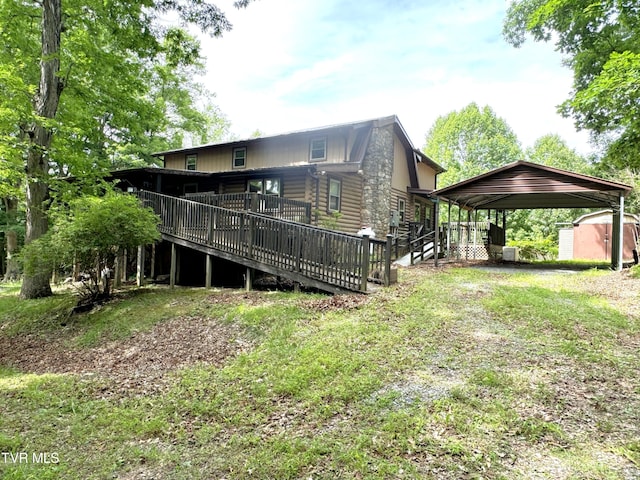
x,y
293,64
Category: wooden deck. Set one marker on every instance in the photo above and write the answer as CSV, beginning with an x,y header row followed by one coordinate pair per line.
x,y
316,257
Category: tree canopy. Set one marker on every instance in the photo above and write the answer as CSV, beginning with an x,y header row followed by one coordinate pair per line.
x,y
470,142
87,85
541,226
601,43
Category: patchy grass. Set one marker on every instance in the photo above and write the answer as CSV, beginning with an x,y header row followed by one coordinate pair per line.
x,y
453,373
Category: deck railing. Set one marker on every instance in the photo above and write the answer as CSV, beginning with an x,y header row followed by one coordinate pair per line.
x,y
272,205
476,233
333,258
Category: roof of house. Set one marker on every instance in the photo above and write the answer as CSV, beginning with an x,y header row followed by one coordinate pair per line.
x,y
375,122
526,185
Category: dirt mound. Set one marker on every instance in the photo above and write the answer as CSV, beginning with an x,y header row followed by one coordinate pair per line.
x,y
139,365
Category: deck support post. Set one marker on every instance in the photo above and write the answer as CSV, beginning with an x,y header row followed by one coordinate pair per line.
x,y
248,279
208,271
365,263
172,272
140,266
152,274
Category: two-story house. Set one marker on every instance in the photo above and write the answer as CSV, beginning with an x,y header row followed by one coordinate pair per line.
x,y
356,174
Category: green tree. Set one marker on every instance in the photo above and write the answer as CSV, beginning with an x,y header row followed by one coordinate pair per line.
x,y
539,228
470,142
600,41
91,233
86,85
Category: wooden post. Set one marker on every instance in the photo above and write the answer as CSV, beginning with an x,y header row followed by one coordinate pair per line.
x,y
248,279
387,261
365,263
172,272
140,266
251,225
409,240
208,271
152,274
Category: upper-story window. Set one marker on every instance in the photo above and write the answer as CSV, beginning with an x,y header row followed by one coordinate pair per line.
x,y
318,149
240,157
191,161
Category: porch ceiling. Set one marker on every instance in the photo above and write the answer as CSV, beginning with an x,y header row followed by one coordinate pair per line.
x,y
524,185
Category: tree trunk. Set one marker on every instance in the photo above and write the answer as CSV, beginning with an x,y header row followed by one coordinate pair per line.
x,y
35,285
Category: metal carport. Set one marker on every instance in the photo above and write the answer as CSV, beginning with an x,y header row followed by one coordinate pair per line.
x,y
526,185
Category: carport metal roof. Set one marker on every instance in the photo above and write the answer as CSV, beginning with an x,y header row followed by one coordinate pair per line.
x,y
525,185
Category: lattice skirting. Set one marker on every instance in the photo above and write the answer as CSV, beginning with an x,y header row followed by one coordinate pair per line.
x,y
470,252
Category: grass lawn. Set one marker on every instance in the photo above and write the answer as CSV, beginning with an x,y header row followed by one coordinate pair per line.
x,y
454,373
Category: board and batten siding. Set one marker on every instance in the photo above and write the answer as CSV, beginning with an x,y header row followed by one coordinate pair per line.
x,y
267,153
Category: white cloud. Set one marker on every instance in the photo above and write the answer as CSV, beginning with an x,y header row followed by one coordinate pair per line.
x,y
292,65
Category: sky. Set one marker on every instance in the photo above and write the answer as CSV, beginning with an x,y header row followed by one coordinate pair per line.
x,y
290,65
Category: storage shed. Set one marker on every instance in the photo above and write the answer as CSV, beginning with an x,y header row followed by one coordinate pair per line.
x,y
591,237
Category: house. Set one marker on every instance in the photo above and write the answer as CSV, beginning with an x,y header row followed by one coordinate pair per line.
x,y
354,175
590,237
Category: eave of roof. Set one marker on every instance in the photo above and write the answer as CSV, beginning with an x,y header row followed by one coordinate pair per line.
x,y
380,121
533,186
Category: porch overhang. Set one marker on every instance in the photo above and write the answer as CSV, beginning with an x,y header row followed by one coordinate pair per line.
x,y
421,192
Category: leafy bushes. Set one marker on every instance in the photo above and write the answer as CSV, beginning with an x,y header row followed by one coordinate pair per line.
x,y
537,249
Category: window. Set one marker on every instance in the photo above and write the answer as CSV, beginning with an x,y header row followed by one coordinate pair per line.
x,y
318,150
239,157
335,191
401,209
416,212
268,186
190,188
191,161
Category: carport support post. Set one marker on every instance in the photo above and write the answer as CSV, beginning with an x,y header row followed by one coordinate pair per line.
x,y
208,271
617,244
449,231
459,231
436,236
